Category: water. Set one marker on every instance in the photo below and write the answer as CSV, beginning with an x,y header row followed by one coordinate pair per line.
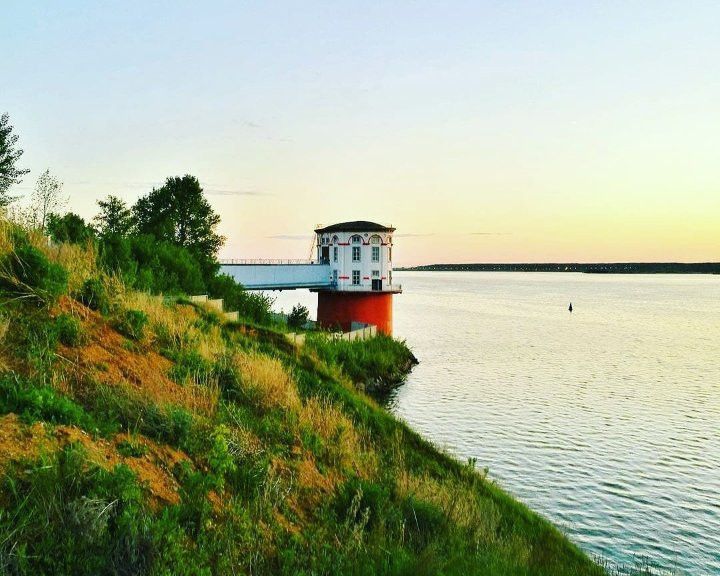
x,y
606,420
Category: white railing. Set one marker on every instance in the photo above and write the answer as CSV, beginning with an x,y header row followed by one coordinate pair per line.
x,y
368,288
264,261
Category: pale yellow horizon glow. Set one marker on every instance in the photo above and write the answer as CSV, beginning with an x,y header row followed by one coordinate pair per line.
x,y
493,132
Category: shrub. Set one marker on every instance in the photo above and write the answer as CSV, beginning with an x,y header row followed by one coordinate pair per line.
x,y
28,272
94,295
167,268
69,330
251,305
146,263
189,365
131,323
219,458
115,257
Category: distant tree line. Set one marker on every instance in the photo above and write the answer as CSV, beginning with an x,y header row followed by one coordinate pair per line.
x,y
597,268
167,242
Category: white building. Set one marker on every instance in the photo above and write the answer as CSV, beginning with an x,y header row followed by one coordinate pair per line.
x,y
359,254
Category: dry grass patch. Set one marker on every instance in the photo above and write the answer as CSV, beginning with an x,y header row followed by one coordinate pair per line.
x,y
4,325
79,261
267,381
20,442
462,505
172,327
6,244
105,358
176,326
347,447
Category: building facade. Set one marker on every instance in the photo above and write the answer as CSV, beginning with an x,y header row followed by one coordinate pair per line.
x,y
360,258
359,254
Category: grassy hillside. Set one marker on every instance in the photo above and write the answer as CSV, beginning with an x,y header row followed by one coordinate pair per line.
x,y
144,435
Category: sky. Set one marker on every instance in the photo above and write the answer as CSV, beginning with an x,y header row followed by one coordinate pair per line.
x,y
483,131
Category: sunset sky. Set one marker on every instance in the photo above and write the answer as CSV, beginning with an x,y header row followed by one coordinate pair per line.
x,y
484,131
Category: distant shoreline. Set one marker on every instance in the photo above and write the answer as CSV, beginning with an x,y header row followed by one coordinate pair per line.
x,y
592,268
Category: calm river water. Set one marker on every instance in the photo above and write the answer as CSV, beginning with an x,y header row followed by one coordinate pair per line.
x,y
606,420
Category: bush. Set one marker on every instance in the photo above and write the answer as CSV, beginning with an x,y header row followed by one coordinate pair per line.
x,y
94,295
69,330
298,316
251,305
131,323
27,271
151,265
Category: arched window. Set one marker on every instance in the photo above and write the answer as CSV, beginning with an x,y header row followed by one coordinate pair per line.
x,y
335,239
357,239
375,242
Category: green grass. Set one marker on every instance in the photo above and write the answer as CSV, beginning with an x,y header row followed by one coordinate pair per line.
x,y
376,365
292,470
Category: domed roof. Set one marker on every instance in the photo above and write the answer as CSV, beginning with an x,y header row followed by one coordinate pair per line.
x,y
355,226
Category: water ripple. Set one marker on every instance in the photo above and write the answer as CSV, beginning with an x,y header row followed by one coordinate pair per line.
x,y
605,420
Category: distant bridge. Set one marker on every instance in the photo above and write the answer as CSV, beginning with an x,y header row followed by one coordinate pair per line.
x,y
278,274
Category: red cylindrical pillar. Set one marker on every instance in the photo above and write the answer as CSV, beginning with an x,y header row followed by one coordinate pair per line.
x,y
338,309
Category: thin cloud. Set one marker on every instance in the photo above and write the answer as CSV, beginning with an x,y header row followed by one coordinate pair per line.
x,y
217,192
489,233
290,237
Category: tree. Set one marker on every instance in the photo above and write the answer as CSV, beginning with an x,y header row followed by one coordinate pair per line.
x,y
298,317
69,228
115,218
178,212
46,199
10,174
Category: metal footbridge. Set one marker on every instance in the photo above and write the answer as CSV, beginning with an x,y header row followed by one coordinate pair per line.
x,y
278,274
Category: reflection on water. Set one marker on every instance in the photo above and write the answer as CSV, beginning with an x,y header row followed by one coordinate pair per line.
x,y
606,420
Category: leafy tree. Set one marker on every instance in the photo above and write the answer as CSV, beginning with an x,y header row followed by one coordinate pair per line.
x,y
178,212
69,228
298,316
115,218
46,199
9,155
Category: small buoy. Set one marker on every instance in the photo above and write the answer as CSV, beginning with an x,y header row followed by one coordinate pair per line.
x,y
570,307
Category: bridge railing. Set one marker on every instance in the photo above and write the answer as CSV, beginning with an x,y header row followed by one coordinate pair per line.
x,y
264,261
366,288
